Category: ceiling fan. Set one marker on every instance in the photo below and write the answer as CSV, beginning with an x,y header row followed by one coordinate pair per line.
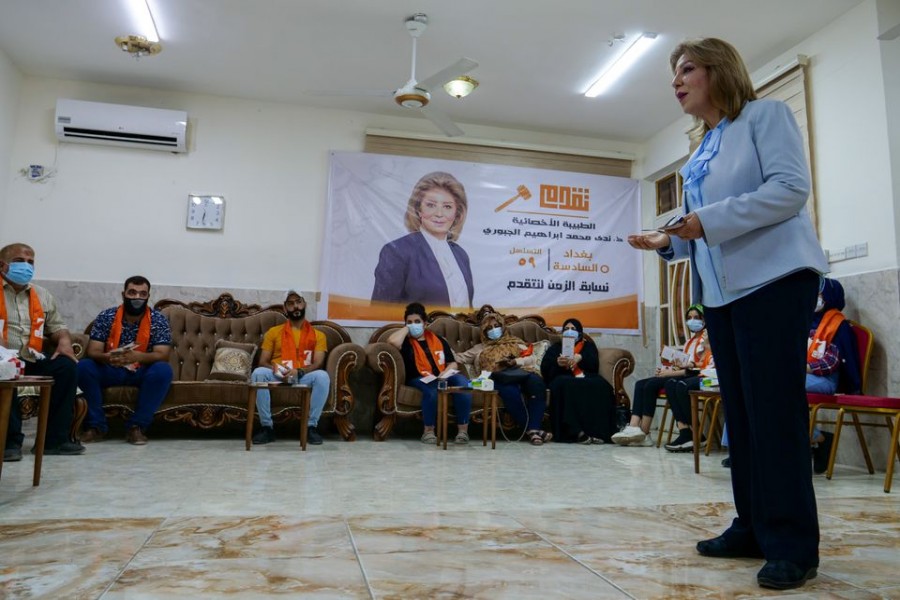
x,y
417,94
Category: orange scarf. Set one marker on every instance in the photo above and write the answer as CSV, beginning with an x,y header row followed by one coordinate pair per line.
x,y
35,311
828,327
302,355
700,358
435,347
115,333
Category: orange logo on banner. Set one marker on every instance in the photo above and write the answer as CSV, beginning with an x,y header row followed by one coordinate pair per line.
x,y
564,197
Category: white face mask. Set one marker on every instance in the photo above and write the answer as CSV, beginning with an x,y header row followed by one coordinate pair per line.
x,y
820,304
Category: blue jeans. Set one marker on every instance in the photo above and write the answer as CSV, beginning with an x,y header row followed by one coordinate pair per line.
x,y
152,382
462,403
821,384
318,380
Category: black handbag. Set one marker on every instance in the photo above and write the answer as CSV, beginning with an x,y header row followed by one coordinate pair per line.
x,y
513,375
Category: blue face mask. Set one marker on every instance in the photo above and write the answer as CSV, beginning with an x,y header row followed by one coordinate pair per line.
x,y
695,325
495,333
416,329
572,333
20,273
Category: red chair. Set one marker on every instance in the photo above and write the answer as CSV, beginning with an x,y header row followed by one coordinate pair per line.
x,y
869,405
864,340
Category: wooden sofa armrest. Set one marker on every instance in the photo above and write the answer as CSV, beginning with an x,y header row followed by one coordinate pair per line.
x,y
340,362
387,363
615,365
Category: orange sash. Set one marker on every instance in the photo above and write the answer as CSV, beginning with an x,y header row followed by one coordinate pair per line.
x,y
302,355
828,326
115,332
577,372
35,311
700,358
437,351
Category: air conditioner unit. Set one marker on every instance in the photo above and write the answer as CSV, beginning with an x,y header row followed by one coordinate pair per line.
x,y
120,125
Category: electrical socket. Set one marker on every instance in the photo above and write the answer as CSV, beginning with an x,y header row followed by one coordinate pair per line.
x,y
850,252
837,255
862,250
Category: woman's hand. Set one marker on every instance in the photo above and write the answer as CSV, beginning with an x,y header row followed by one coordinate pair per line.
x,y
649,240
690,229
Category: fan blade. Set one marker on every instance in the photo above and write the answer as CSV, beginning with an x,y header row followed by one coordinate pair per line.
x,y
442,121
378,93
460,67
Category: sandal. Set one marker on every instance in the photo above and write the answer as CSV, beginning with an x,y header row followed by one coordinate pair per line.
x,y
583,438
535,438
461,438
429,437
546,436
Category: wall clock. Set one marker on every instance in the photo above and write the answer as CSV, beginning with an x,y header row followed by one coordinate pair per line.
x,y
205,212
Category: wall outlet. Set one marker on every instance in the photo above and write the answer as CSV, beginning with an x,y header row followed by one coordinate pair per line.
x,y
837,255
862,250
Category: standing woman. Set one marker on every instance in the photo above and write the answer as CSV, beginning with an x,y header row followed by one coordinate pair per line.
x,y
756,260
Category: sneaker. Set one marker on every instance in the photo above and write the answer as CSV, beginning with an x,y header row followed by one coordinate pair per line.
x,y
92,435
136,437
462,438
64,449
313,436
429,437
628,435
264,436
646,442
821,453
12,454
683,443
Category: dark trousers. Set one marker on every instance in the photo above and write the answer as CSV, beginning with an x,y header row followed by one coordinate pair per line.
x,y
152,382
64,372
759,345
525,401
677,392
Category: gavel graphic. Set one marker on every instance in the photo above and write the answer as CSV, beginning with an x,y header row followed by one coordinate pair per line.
x,y
524,193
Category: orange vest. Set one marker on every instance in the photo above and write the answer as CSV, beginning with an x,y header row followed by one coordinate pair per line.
x,y
115,333
302,355
828,326
435,347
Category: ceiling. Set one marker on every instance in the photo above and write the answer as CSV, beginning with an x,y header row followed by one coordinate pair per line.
x,y
536,57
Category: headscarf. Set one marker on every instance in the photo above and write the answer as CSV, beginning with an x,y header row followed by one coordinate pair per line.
x,y
697,307
497,350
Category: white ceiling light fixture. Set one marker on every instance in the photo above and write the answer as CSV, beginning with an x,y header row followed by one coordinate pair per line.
x,y
460,87
621,65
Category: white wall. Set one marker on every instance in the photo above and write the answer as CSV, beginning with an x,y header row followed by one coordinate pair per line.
x,y
889,20
10,84
110,212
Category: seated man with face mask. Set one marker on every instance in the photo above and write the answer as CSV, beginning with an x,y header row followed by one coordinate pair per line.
x,y
129,346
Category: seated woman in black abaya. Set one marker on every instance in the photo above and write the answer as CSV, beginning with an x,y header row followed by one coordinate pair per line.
x,y
582,403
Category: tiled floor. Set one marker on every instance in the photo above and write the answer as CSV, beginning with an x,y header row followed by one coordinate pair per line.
x,y
202,518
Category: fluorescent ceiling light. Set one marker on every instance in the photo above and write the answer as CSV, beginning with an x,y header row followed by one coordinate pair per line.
x,y
142,19
622,64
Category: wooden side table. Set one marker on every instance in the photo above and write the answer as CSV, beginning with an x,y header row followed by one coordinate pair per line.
x,y
305,393
488,407
6,394
698,396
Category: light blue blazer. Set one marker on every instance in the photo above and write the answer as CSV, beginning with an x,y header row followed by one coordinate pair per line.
x,y
755,202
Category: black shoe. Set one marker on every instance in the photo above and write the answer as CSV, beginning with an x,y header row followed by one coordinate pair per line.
x,y
821,453
12,454
783,575
64,449
313,436
684,442
264,436
726,462
719,547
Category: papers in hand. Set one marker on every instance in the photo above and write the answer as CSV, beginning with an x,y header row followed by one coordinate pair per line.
x,y
123,349
674,356
568,347
445,374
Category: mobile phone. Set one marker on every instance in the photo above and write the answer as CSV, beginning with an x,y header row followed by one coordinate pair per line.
x,y
673,223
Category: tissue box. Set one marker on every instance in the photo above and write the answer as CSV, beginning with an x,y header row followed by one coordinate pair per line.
x,y
8,370
483,384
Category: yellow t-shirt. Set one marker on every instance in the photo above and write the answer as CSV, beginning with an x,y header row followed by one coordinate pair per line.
x,y
272,342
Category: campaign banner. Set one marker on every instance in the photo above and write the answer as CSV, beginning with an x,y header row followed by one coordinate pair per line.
x,y
456,236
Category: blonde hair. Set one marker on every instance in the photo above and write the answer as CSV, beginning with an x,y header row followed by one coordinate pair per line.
x,y
730,86
447,183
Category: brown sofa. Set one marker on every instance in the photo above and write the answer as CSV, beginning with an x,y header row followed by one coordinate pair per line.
x,y
396,400
198,401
